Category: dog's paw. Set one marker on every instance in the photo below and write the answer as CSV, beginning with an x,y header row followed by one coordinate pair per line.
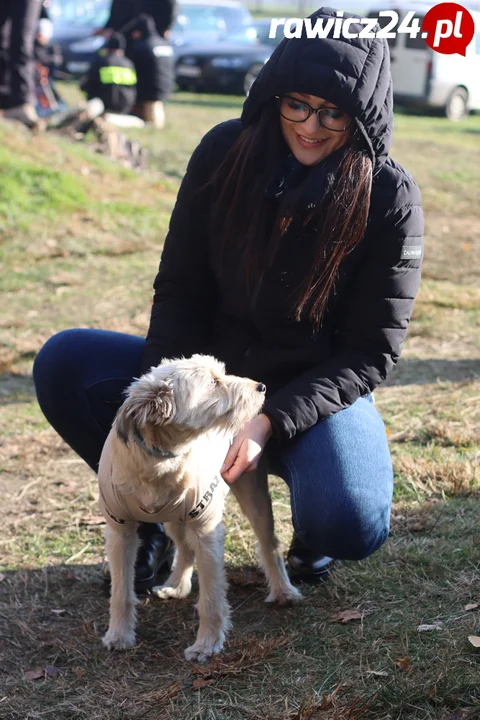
x,y
165,592
117,640
284,596
205,648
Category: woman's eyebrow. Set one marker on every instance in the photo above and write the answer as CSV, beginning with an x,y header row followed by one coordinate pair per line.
x,y
324,102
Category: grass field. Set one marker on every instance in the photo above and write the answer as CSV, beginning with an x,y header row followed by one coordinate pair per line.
x,y
80,243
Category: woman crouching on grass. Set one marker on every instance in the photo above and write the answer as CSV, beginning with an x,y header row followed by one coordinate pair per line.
x,y
293,255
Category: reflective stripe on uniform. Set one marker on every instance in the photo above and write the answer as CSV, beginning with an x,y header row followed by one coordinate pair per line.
x,y
112,75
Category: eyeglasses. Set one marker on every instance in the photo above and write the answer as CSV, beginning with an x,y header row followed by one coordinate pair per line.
x,y
295,110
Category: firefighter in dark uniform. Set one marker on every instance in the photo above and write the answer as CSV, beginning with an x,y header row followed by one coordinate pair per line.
x,y
148,46
112,77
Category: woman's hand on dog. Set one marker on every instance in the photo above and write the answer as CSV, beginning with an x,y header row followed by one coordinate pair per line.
x,y
247,448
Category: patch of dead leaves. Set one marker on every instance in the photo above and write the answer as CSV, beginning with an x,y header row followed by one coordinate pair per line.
x,y
201,682
404,664
50,671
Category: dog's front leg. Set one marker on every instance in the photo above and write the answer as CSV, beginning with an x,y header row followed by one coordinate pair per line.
x,y
121,553
213,608
251,491
179,582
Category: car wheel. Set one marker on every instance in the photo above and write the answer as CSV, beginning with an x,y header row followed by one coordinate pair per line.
x,y
250,77
457,104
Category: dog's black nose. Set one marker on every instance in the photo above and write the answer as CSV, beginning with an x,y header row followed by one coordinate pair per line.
x,y
261,387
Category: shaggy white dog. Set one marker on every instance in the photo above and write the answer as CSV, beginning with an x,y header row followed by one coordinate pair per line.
x,y
160,463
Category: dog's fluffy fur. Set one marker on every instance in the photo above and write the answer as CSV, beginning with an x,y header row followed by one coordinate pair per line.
x,y
192,409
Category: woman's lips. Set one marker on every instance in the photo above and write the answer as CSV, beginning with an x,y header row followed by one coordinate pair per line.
x,y
306,144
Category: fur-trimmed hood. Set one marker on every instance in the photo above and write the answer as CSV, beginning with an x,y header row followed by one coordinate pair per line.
x,y
352,73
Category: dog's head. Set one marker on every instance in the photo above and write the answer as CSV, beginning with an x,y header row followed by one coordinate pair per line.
x,y
191,394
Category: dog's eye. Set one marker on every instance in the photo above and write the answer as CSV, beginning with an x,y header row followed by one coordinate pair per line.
x,y
215,380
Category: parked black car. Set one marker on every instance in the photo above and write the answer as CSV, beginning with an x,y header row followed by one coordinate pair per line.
x,y
227,66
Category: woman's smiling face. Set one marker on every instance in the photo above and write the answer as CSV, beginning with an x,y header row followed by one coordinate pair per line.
x,y
309,141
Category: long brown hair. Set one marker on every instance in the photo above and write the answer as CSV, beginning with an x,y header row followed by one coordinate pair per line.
x,y
337,223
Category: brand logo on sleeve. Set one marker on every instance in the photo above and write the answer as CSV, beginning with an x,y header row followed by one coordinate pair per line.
x,y
411,252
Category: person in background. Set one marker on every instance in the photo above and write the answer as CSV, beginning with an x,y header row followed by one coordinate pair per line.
x,y
122,12
153,57
48,58
112,78
18,27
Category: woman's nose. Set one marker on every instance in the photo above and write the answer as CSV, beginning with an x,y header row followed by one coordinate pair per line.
x,y
312,124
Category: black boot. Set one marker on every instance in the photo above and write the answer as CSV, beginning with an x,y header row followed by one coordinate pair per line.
x,y
154,557
305,565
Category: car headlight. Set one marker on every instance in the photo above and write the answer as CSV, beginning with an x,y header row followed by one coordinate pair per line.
x,y
87,45
227,62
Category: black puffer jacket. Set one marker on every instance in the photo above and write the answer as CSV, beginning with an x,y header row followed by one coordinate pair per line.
x,y
124,11
308,377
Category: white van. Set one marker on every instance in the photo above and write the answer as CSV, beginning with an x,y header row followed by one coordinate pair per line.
x,y
423,77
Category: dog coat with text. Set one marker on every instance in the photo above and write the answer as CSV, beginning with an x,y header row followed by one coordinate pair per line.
x,y
122,509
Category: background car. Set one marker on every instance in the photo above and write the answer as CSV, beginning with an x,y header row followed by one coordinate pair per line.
x,y
200,22
197,22
230,65
73,24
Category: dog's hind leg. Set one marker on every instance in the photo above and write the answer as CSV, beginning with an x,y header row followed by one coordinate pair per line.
x,y
251,491
179,583
213,608
121,552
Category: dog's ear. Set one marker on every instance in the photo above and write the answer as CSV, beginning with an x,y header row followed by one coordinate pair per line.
x,y
145,403
160,407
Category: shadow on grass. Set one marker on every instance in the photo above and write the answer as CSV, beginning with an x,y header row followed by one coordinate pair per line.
x,y
16,389
54,662
424,372
210,101
377,667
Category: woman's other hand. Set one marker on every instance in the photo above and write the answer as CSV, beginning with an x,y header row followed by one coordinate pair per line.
x,y
247,448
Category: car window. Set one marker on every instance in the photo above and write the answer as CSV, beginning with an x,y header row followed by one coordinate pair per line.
x,y
90,14
197,18
243,36
416,43
200,18
383,21
263,32
234,17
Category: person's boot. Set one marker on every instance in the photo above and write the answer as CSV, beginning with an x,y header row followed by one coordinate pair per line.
x,y
82,115
304,565
25,114
154,557
154,113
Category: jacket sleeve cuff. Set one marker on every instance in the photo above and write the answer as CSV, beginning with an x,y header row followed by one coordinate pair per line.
x,y
283,427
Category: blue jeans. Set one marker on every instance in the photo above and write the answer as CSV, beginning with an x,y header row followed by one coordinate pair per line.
x,y
339,472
